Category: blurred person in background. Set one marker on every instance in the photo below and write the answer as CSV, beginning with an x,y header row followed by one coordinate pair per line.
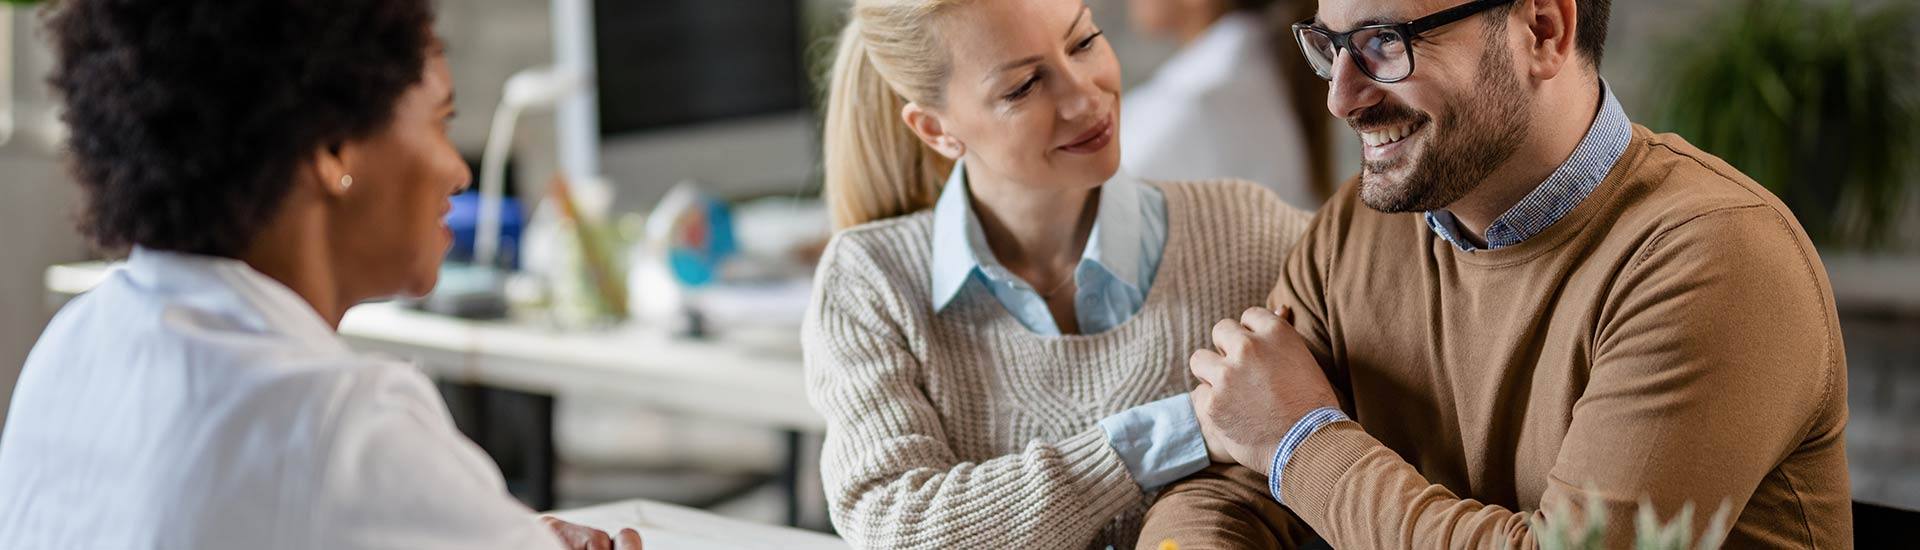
x,y
269,165
999,328
1236,101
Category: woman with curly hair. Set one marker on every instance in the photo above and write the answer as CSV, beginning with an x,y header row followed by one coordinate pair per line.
x,y
268,165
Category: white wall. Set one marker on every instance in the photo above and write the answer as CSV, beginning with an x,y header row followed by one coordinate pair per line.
x,y
37,207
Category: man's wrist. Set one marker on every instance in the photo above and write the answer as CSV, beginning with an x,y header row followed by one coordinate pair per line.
x,y
1301,430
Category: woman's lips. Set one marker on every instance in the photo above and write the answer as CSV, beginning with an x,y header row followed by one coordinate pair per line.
x,y
1094,140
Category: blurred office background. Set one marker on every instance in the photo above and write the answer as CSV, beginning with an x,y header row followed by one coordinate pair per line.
x,y
1814,97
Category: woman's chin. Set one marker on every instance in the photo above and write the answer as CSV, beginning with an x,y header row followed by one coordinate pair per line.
x,y
424,284
421,280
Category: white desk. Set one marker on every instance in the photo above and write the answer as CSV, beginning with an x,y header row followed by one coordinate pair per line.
x,y
669,527
750,382
754,382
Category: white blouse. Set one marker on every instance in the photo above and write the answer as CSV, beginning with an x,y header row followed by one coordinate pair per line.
x,y
191,402
1218,109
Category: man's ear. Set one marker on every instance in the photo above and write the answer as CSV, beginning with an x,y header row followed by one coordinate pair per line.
x,y
1551,26
932,131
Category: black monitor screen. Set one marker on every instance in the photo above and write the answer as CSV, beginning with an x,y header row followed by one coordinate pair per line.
x,y
667,63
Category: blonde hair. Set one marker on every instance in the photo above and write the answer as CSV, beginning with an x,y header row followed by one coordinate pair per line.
x,y
875,167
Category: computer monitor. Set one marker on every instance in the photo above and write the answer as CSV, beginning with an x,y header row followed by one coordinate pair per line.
x,y
669,63
707,90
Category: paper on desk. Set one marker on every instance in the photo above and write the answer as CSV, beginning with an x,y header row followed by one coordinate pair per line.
x,y
777,304
669,527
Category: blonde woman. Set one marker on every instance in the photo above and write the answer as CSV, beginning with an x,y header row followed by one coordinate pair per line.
x,y
1000,331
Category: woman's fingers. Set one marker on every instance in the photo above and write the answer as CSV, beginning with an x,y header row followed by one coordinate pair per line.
x,y
579,537
629,540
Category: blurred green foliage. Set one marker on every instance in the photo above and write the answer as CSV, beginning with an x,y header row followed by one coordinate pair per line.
x,y
1564,526
1815,100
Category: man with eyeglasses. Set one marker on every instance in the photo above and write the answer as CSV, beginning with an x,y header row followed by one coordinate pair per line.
x,y
1524,300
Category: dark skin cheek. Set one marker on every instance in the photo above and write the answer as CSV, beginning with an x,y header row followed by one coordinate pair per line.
x,y
395,235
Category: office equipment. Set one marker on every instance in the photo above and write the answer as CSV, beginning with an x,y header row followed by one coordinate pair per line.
x,y
669,63
529,89
714,91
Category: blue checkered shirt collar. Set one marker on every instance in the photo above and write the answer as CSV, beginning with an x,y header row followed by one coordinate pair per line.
x,y
1605,141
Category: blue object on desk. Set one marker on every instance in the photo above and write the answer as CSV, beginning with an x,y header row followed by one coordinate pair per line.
x,y
464,220
701,239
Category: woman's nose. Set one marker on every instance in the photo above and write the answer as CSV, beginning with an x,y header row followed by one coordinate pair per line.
x,y
1082,98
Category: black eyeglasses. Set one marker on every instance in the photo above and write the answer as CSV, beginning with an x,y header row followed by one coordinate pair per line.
x,y
1383,52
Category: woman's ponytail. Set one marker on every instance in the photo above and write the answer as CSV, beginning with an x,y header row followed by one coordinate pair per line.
x,y
875,167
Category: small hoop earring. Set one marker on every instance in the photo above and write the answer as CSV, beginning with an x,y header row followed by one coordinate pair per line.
x,y
346,181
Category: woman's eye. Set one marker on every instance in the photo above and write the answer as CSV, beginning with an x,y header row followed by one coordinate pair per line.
x,y
1087,44
1024,88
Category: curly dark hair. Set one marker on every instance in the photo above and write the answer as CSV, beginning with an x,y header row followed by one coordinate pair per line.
x,y
189,118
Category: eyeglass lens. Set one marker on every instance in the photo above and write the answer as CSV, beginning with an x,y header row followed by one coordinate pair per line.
x,y
1381,51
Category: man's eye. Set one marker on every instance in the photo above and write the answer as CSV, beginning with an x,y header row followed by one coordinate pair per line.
x,y
1388,43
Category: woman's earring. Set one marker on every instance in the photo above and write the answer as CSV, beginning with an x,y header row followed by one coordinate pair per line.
x,y
346,182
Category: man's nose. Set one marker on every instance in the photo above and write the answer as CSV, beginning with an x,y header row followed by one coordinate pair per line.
x,y
1350,91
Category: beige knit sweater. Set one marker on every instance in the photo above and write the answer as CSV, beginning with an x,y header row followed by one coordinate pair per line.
x,y
963,430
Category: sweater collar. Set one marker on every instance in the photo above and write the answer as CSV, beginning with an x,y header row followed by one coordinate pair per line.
x,y
1606,140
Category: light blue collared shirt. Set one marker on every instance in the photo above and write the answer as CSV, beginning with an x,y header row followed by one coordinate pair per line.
x,y
1572,182
1123,253
1605,141
1160,441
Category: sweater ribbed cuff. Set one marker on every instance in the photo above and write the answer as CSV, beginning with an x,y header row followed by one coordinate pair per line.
x,y
1306,427
1319,464
1092,463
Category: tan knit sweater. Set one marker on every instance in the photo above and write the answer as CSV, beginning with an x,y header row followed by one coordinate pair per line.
x,y
1673,339
963,430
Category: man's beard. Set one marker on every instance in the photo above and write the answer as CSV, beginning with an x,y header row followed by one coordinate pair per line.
x,y
1473,136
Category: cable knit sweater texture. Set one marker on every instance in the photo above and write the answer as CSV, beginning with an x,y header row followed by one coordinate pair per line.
x,y
964,430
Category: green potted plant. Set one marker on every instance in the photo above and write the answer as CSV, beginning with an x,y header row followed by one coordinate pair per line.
x,y
1814,100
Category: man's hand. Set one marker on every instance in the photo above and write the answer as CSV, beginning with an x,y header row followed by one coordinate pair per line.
x,y
1216,445
581,537
1260,382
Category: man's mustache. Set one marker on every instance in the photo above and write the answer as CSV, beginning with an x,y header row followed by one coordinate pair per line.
x,y
1385,114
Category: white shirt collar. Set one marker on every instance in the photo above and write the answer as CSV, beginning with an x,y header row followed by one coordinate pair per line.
x,y
236,291
960,245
